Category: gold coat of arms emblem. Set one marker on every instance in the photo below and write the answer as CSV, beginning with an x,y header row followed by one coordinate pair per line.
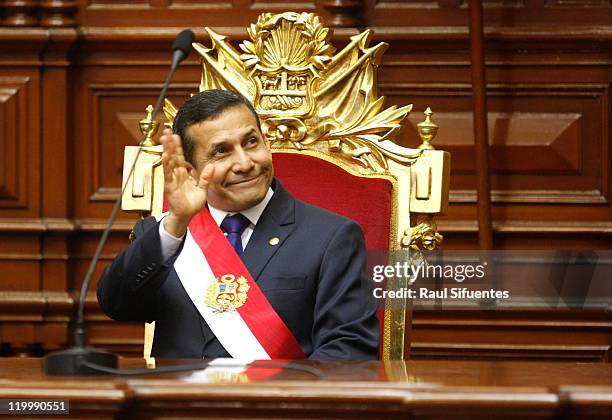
x,y
227,293
307,95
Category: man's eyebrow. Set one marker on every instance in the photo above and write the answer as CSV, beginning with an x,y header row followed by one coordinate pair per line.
x,y
217,143
214,144
251,131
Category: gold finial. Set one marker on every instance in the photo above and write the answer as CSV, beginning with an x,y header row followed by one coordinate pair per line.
x,y
148,128
427,130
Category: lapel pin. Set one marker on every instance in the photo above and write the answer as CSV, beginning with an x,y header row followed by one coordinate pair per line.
x,y
274,241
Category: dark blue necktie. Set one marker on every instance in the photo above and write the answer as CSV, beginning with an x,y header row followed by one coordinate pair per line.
x,y
234,226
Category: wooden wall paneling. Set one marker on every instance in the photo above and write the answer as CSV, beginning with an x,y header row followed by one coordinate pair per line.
x,y
116,109
57,154
526,334
19,113
380,14
113,88
20,223
560,100
102,332
126,339
8,142
538,134
149,13
452,13
549,68
55,171
35,307
34,322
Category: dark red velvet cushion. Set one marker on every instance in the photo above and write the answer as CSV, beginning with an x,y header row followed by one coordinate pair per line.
x,y
318,182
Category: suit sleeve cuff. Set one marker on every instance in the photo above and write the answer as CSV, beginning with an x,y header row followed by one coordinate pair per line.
x,y
169,243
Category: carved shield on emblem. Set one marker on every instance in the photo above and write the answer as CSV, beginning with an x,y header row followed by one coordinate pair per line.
x,y
283,91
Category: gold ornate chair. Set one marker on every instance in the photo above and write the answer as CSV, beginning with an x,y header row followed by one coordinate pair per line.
x,y
331,136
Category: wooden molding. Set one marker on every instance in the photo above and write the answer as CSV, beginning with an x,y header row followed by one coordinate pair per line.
x,y
532,196
530,226
36,225
32,305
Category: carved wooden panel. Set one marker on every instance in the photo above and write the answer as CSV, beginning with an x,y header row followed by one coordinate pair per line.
x,y
114,101
7,113
546,143
116,111
556,138
20,144
13,141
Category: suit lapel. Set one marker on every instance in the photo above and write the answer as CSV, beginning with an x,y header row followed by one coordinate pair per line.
x,y
277,221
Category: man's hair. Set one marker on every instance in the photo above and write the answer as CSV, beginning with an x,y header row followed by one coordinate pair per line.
x,y
206,105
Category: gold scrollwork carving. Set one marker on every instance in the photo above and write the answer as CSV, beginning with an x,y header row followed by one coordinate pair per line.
x,y
423,236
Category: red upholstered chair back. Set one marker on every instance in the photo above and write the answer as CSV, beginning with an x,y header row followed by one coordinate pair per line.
x,y
366,200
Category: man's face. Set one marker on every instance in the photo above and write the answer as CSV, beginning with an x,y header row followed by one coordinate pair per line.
x,y
233,143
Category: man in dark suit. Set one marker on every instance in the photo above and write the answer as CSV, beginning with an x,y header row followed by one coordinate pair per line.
x,y
309,263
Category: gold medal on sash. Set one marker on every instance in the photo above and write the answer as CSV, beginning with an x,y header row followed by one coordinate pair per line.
x,y
227,293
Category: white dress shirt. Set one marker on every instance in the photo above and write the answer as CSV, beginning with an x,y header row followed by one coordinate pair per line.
x,y
170,243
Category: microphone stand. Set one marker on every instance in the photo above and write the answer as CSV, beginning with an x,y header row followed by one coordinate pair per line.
x,y
78,359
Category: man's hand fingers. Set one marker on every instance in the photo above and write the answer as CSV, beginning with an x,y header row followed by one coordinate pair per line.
x,y
172,157
172,144
167,162
178,150
206,176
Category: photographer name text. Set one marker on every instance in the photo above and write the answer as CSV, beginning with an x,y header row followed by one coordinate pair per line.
x,y
444,293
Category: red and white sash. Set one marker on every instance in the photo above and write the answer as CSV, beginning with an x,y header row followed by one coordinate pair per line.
x,y
248,328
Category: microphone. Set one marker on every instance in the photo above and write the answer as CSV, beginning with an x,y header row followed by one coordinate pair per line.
x,y
79,360
181,47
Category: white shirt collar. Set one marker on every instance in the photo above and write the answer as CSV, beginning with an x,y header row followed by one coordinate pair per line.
x,y
253,213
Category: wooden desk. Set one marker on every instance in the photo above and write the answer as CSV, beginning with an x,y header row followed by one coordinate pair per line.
x,y
416,389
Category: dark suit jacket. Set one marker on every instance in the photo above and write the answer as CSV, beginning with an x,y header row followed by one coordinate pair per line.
x,y
314,279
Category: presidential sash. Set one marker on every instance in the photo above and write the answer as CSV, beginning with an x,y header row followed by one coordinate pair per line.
x,y
227,297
